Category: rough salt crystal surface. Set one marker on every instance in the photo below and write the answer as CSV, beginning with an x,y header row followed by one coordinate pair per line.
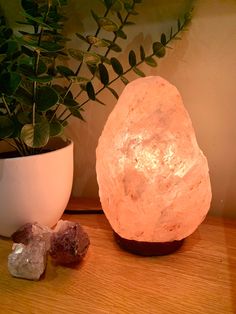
x,y
153,178
29,231
28,261
69,243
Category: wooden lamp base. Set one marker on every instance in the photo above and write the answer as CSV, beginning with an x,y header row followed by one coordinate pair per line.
x,y
148,248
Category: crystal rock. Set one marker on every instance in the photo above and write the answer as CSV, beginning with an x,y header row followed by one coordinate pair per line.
x,y
153,178
29,231
69,243
28,261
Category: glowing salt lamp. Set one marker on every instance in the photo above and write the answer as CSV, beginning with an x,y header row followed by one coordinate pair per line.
x,y
153,178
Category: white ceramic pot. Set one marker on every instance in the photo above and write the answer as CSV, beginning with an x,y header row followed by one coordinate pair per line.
x,y
35,188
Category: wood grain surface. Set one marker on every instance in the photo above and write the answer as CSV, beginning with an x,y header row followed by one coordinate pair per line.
x,y
199,278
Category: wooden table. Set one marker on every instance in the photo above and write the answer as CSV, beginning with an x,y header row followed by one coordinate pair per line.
x,y
199,278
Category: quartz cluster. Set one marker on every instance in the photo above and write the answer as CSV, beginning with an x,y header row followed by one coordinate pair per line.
x,y
153,178
67,244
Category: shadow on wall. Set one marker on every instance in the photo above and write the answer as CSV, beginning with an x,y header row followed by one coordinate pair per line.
x,y
144,32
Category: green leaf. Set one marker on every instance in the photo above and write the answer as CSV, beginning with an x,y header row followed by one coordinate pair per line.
x,y
56,128
117,6
51,46
7,127
142,53
31,7
37,135
132,58
114,93
28,37
27,51
163,39
105,59
158,49
24,97
128,5
92,68
70,102
26,69
24,117
76,113
95,16
42,67
90,91
40,79
130,8
113,46
76,54
46,98
97,42
103,73
38,20
120,33
65,71
107,24
59,89
116,65
80,36
124,80
91,58
138,72
150,61
108,3
9,82
78,79
87,57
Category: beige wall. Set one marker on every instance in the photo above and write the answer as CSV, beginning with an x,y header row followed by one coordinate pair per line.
x,y
202,66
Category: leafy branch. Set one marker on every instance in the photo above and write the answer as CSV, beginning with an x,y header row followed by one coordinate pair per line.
x,y
35,102
158,51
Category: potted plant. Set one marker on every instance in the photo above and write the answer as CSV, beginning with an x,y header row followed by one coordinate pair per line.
x,y
36,101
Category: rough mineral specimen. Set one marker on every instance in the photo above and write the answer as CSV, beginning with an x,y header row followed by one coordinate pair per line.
x,y
153,178
28,261
29,231
69,243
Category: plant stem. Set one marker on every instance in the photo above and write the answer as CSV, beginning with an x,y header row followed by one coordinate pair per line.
x,y
105,86
36,64
172,36
44,20
6,106
54,113
88,49
14,146
120,28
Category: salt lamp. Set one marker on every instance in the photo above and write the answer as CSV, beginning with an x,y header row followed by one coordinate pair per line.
x,y
153,178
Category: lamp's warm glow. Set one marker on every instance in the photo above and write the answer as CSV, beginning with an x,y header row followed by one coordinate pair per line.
x,y
153,179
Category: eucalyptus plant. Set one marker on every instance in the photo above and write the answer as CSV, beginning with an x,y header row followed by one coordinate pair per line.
x,y
36,98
